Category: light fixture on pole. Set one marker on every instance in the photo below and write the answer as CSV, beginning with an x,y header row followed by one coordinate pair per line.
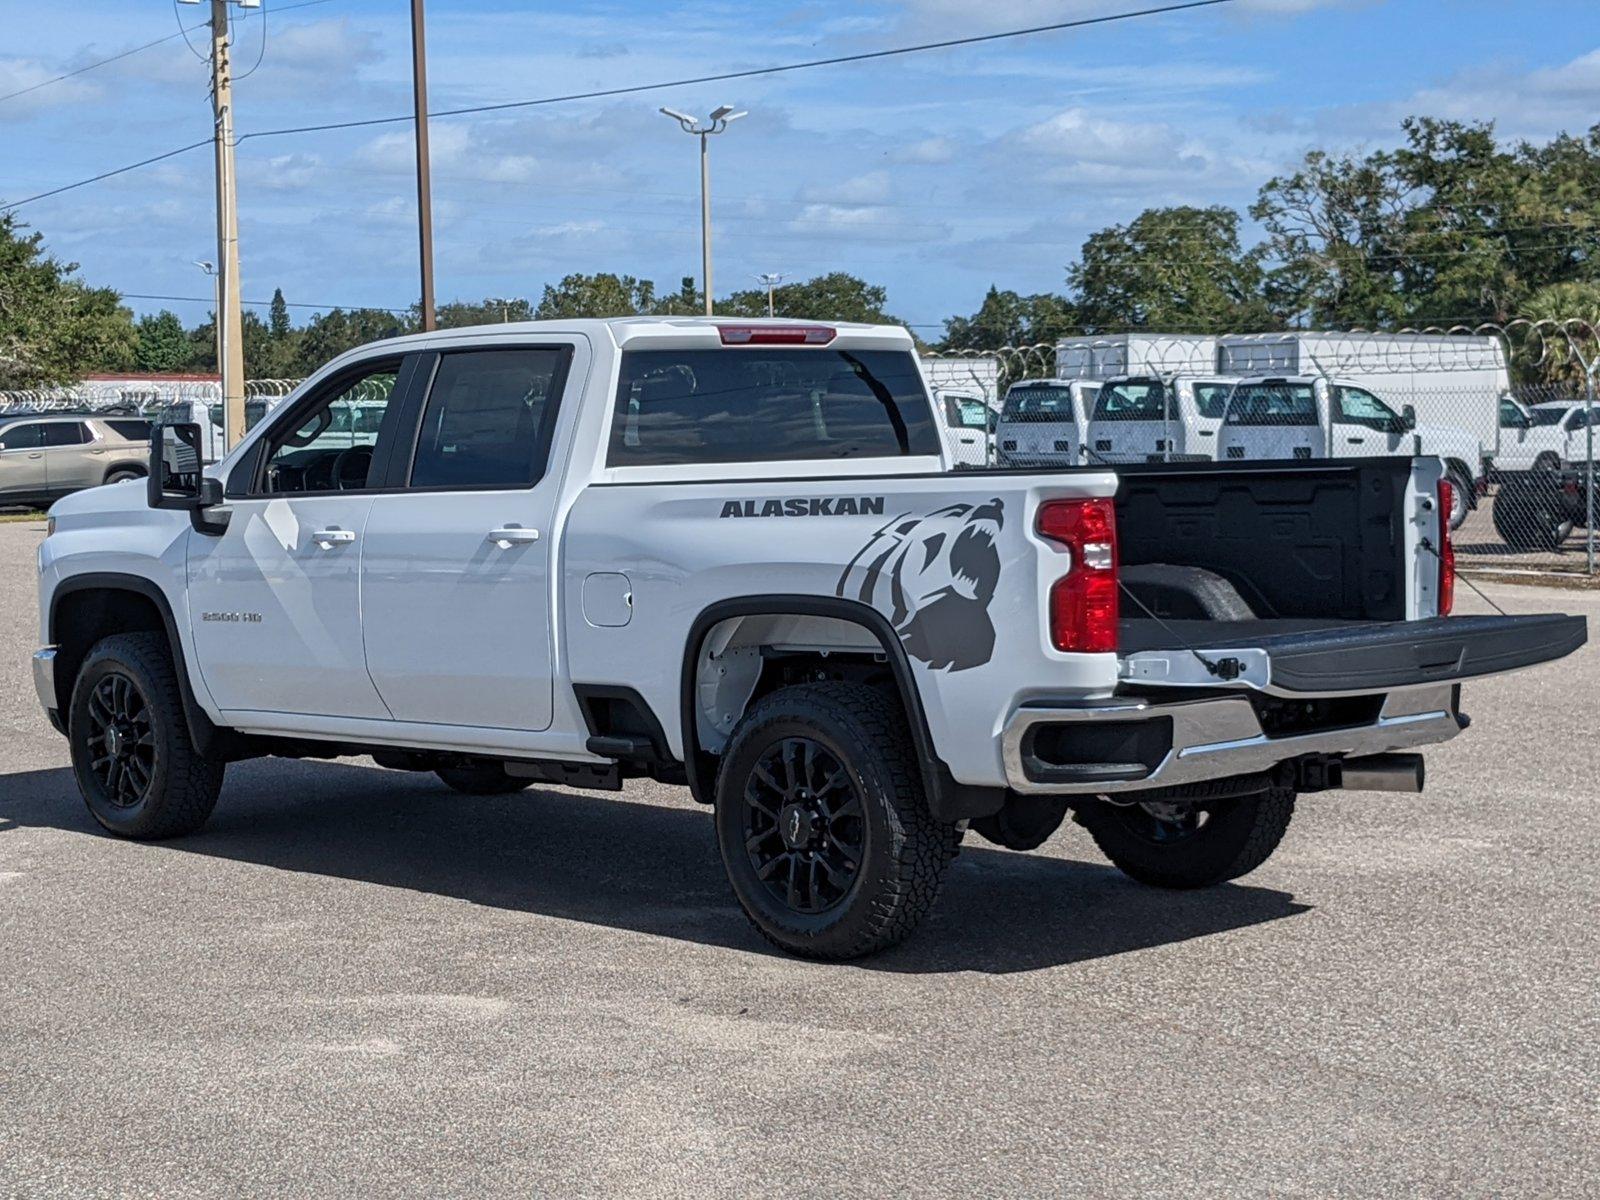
x,y
721,117
770,280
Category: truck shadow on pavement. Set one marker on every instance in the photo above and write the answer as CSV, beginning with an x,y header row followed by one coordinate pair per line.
x,y
650,867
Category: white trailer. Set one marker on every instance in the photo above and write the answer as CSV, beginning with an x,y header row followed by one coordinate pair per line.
x,y
1107,356
1450,380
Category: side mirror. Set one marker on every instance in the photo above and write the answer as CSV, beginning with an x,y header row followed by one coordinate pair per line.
x,y
1408,417
175,478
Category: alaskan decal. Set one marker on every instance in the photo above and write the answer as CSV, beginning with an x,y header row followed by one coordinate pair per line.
x,y
806,506
934,576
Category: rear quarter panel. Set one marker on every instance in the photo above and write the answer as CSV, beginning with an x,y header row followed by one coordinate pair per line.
x,y
950,560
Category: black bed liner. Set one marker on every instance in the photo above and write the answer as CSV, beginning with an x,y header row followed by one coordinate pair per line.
x,y
1319,655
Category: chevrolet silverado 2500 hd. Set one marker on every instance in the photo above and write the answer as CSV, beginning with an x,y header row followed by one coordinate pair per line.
x,y
733,555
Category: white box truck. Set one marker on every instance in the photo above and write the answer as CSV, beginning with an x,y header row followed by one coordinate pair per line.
x,y
1108,356
1450,380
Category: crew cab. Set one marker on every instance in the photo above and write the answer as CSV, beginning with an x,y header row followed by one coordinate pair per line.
x,y
1043,423
1158,419
1309,417
735,556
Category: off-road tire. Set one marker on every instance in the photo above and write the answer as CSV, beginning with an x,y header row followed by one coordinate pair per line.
x,y
1237,836
904,851
183,786
481,781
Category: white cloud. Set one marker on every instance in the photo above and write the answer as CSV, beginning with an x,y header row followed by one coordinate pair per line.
x,y
933,151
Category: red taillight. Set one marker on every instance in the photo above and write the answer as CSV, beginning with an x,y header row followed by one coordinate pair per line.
x,y
1447,549
1084,605
776,335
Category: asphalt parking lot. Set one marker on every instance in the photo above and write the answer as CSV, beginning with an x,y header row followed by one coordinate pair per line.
x,y
357,982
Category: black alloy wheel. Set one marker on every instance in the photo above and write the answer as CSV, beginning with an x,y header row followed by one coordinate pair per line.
x,y
122,740
804,827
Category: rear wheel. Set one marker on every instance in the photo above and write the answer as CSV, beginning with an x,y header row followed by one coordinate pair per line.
x,y
138,771
1531,513
823,825
122,474
1188,845
488,780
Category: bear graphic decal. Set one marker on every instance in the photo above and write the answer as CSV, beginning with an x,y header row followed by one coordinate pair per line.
x,y
934,576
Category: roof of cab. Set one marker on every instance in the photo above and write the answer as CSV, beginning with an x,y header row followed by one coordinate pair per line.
x,y
620,330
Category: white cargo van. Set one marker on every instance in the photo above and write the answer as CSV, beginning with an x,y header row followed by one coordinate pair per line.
x,y
1310,417
1451,381
1145,419
1043,422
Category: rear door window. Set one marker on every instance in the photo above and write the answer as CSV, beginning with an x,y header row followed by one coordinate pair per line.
x,y
66,433
769,405
489,418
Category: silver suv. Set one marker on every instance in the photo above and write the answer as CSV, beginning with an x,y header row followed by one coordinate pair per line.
x,y
45,457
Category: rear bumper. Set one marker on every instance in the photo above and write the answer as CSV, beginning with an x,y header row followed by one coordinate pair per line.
x,y
1159,745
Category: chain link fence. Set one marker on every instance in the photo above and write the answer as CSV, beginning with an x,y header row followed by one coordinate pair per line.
x,y
1510,408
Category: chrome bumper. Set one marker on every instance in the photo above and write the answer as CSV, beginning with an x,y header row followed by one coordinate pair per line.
x,y
1221,736
44,677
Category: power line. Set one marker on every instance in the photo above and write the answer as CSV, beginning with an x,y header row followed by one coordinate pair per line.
x,y
634,89
212,300
181,31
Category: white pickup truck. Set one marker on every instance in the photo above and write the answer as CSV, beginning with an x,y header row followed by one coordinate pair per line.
x,y
1043,423
734,556
1545,437
1310,417
1174,418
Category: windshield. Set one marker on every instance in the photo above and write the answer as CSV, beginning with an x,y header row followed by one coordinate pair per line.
x,y
1135,400
1211,399
1273,404
1039,404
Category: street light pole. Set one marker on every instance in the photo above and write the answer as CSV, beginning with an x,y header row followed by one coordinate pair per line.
x,y
771,279
721,117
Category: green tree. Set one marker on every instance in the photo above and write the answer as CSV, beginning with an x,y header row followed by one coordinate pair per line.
x,y
163,345
1170,268
837,296
278,323
491,311
600,295
1006,318
1565,333
328,335
53,328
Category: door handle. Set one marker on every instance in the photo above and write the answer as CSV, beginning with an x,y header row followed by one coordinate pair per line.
x,y
1355,441
327,539
513,535
35,456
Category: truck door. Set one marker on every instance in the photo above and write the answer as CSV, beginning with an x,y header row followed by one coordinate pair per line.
x,y
74,458
456,569
1364,426
275,602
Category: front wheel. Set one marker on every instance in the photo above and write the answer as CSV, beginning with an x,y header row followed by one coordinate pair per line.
x,y
138,771
1190,845
823,826
1461,489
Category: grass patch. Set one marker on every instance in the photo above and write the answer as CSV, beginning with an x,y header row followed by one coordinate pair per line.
x,y
12,518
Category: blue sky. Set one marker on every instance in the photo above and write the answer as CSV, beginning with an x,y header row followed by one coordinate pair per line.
x,y
934,175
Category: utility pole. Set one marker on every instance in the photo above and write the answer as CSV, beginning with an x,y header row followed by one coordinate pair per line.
x,y
230,325
419,89
720,118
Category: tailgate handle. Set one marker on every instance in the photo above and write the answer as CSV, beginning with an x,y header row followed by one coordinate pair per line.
x,y
1445,658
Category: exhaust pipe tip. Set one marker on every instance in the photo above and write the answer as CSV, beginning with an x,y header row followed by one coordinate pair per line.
x,y
1383,773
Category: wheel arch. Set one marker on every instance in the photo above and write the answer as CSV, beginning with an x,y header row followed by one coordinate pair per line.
x,y
948,799
86,608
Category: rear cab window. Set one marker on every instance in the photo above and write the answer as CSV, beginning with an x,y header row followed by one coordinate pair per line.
x,y
769,404
1273,404
1136,400
1038,403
